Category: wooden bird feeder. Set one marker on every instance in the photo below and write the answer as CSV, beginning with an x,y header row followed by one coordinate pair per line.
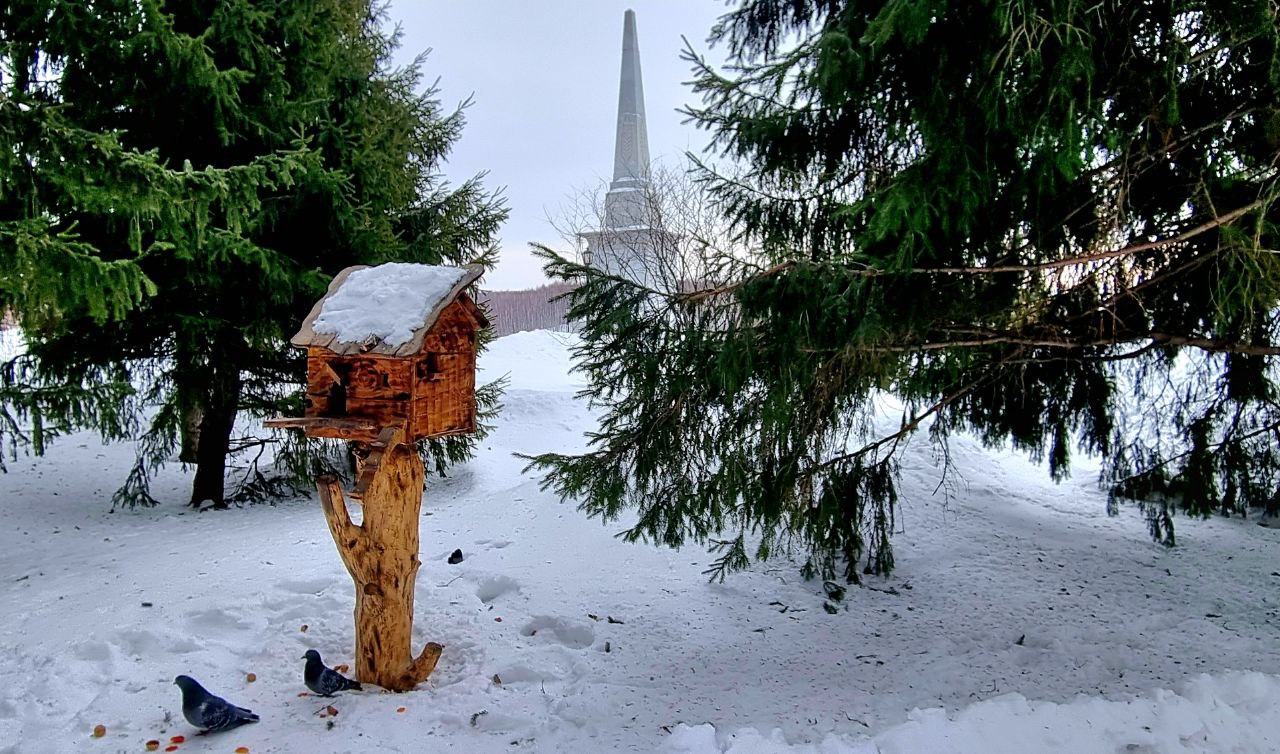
x,y
391,359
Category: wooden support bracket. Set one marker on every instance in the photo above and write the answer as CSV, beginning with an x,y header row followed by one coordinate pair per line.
x,y
352,428
371,461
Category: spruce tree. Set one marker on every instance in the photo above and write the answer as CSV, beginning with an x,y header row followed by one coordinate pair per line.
x,y
181,180
1048,223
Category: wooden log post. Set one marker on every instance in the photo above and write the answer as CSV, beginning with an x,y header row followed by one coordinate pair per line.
x,y
381,554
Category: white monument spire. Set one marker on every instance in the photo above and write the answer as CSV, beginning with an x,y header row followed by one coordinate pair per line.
x,y
631,150
632,238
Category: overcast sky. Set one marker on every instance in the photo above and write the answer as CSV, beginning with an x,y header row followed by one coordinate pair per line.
x,y
544,77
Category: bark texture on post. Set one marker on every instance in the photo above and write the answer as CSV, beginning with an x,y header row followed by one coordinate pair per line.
x,y
381,553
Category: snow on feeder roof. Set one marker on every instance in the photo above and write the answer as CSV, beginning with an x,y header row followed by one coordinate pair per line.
x,y
384,310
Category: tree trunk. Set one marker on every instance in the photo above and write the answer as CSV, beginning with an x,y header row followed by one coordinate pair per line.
x,y
189,433
381,554
215,437
192,393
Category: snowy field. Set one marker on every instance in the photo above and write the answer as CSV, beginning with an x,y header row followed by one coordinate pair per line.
x,y
1021,618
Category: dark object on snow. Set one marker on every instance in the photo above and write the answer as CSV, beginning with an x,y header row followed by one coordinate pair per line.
x,y
1021,639
834,591
208,712
455,557
322,680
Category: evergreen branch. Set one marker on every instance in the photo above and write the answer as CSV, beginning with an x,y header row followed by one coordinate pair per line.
x,y
695,296
1216,345
1131,250
909,427
1218,221
1271,428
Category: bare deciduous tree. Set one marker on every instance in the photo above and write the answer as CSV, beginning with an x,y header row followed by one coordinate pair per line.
x,y
668,236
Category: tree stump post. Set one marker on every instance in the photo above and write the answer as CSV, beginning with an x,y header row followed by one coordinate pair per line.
x,y
381,554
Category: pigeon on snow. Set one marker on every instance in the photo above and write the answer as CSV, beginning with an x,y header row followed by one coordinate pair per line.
x,y
208,712
322,680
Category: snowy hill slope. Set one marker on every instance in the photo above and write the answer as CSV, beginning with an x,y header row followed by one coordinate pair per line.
x,y
1021,618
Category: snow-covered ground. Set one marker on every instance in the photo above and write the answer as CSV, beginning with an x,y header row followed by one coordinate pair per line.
x,y
1021,618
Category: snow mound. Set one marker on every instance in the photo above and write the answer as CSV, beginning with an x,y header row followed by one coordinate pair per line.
x,y
534,360
1236,712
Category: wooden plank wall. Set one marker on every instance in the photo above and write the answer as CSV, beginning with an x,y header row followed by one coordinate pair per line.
x,y
444,395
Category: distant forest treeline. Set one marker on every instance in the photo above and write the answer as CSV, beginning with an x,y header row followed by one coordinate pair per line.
x,y
517,311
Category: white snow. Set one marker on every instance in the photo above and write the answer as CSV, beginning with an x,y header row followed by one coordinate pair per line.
x,y
1212,714
387,302
1021,617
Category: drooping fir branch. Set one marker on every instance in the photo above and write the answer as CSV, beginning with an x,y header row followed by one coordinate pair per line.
x,y
668,375
1023,237
36,410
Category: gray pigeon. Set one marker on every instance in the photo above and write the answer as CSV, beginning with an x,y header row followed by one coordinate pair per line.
x,y
208,712
322,680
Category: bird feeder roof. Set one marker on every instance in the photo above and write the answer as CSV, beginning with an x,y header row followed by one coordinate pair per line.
x,y
384,310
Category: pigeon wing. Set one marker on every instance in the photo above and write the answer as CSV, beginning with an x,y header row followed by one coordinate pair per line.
x,y
330,681
219,714
216,714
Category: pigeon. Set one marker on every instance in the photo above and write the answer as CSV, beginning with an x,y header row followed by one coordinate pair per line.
x,y
208,712
322,680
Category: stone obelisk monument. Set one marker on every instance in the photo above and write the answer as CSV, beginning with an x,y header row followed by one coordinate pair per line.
x,y
632,242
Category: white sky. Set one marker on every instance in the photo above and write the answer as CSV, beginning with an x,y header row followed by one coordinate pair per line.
x,y
544,75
